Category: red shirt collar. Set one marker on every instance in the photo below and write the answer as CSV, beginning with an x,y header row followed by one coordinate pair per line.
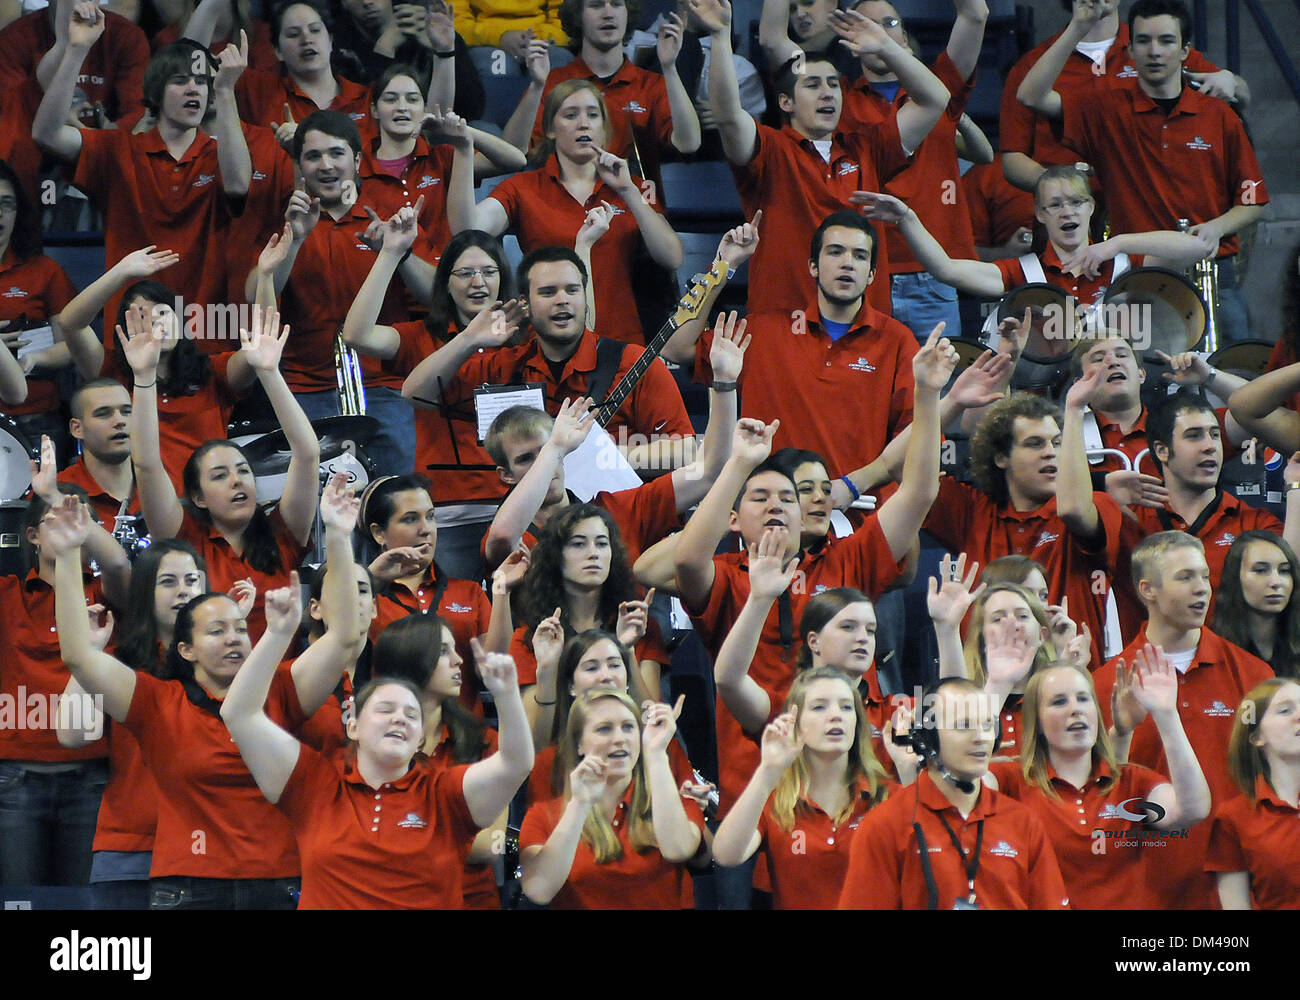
x,y
1209,649
837,144
1100,771
622,75
152,143
932,797
1264,793
370,156
1046,511
581,360
1139,426
868,317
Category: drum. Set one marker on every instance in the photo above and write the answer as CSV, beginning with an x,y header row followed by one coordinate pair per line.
x,y
16,456
1155,309
1044,365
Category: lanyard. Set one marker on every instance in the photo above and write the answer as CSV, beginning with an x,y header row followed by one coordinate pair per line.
x,y
973,864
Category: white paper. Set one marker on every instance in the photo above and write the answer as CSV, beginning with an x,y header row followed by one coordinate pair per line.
x,y
597,465
37,340
488,403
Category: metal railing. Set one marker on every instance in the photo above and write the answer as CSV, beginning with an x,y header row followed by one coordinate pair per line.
x,y
1232,36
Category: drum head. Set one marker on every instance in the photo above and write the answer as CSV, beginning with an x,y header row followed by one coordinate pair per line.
x,y
1155,309
1051,331
968,352
15,461
1247,358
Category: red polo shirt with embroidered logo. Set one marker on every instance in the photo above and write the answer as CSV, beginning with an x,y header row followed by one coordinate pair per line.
x,y
35,288
1259,838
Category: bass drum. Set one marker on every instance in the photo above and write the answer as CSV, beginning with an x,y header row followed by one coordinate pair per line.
x,y
1156,309
16,455
1044,365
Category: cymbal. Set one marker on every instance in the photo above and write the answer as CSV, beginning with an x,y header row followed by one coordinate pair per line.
x,y
332,432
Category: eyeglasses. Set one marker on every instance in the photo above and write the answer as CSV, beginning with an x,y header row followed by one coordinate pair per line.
x,y
888,23
1057,207
469,273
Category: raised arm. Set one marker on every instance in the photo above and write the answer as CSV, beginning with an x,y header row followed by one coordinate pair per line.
x,y
974,277
540,698
737,128
1036,88
463,213
96,671
662,243
505,580
546,866
693,553
1186,799
686,124
518,131
13,383
967,36
360,326
491,328
491,784
677,837
736,247
770,575
738,838
950,596
49,126
1074,501
1260,407
141,344
774,32
901,516
972,143
262,349
233,161
439,34
274,264
269,752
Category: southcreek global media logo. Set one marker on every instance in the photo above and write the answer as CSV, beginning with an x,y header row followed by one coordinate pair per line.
x,y
1137,811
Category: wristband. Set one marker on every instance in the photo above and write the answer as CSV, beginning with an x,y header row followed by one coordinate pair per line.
x,y
148,385
405,257
544,704
852,489
449,54
720,386
1292,486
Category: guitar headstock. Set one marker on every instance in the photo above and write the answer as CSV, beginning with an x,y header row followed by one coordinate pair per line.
x,y
692,303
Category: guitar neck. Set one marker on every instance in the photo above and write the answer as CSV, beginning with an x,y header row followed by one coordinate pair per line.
x,y
633,375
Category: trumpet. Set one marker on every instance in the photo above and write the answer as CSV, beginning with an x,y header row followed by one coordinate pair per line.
x,y
1204,274
352,391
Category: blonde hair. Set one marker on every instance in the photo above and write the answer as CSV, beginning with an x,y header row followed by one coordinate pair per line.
x,y
1246,761
1149,556
974,645
554,100
787,797
597,832
1035,759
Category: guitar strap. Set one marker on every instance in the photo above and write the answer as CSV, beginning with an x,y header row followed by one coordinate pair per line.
x,y
609,355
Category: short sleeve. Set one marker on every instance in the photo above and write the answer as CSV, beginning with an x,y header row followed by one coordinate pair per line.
x,y
313,782
539,822
525,661
1225,853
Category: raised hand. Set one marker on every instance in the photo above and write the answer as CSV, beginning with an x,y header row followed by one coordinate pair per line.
x,y
572,424
907,762
1013,334
493,327
1078,648
85,25
67,524
781,743
262,347
935,362
512,570
980,384
951,594
859,34
537,61
880,207
739,244
141,344
231,63
447,125
714,15
45,475
613,170
1156,687
658,725
285,130
145,263
1131,488
669,44
101,626
398,234
276,251
339,506
1083,389
751,442
548,642
1060,625
586,781
770,574
1087,14
244,594
302,213
284,606
396,563
412,21
594,226
727,352
633,619
1126,709
1187,368
496,669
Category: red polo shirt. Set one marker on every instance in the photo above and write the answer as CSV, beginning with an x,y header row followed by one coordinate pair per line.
x,y
797,189
541,786
35,288
225,566
1217,533
931,182
399,847
1195,164
1259,839
479,888
996,207
268,194
862,560
1208,696
654,407
854,395
445,438
965,519
650,647
32,674
105,505
1022,130
633,882
641,123
425,176
261,48
1085,291
128,812
543,213
1134,442
1017,867
330,269
147,198
112,73
188,420
17,148
808,862
262,95
213,821
1101,872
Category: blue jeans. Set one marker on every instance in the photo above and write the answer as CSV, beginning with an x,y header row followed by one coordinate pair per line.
x,y
182,892
1234,320
920,301
47,823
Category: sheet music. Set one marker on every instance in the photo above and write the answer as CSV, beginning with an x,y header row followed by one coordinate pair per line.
x,y
491,400
598,465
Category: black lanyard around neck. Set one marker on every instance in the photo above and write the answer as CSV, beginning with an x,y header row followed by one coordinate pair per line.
x,y
971,864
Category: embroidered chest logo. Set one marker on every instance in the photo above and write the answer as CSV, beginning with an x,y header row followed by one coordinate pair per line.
x,y
1219,710
1004,850
14,292
818,588
1127,73
1046,538
413,822
358,116
459,609
1226,539
1199,143
847,167
862,365
204,180
428,180
635,108
258,175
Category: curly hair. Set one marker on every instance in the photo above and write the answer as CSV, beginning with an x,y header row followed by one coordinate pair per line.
x,y
994,438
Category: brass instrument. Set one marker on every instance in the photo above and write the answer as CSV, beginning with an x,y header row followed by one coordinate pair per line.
x,y
352,391
1204,274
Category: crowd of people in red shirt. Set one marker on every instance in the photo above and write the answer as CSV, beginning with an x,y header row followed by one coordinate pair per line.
x,y
430,667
